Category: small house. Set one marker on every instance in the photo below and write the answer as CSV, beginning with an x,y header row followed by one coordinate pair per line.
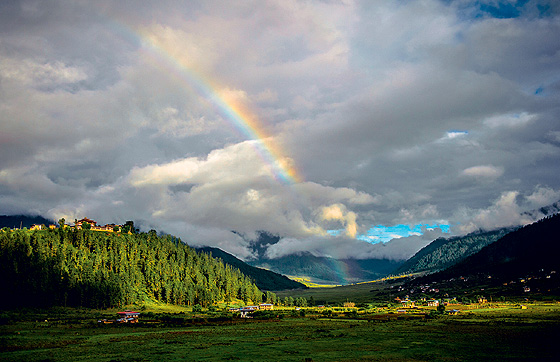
x,y
80,222
433,303
266,306
407,303
128,316
247,310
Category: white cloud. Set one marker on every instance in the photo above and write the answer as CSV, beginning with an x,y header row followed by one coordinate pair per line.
x,y
48,74
483,172
509,120
543,196
510,209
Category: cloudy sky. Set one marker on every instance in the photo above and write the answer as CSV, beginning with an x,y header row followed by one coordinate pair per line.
x,y
349,128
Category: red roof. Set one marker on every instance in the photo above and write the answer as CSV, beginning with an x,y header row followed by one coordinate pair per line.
x,y
129,313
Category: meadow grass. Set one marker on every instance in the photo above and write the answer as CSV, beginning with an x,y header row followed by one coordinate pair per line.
x,y
504,332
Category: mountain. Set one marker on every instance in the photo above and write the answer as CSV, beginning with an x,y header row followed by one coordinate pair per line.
x,y
22,221
529,249
444,252
264,279
328,270
544,211
319,269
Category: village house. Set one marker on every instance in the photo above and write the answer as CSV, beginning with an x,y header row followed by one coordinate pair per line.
x,y
108,228
266,306
244,311
128,316
433,303
407,303
78,224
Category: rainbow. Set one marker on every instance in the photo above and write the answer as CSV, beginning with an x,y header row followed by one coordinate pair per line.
x,y
245,122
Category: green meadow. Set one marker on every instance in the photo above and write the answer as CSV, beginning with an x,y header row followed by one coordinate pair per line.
x,y
500,332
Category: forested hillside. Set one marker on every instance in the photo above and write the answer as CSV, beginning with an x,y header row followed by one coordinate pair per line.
x,y
264,279
22,221
72,267
526,250
442,253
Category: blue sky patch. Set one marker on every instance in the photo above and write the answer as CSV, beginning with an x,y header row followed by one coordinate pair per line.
x,y
383,234
503,10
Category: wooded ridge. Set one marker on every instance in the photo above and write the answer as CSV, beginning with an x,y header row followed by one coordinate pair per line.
x,y
71,267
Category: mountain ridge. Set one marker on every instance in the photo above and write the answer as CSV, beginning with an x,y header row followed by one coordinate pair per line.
x,y
445,252
264,279
525,250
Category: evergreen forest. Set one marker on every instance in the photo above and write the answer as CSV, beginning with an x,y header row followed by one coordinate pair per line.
x,y
84,268
443,253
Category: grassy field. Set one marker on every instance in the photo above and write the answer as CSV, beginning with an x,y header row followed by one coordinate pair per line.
x,y
358,293
501,332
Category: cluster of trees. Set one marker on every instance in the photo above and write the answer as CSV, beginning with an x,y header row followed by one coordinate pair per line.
x,y
298,302
71,267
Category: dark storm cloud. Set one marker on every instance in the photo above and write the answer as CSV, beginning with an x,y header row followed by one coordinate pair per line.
x,y
416,112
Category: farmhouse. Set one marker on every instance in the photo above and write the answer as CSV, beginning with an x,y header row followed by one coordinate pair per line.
x,y
266,306
246,310
432,303
407,303
128,316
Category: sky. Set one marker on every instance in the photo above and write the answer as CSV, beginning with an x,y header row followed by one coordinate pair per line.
x,y
351,129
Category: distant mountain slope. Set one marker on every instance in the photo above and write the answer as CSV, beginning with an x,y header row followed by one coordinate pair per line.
x,y
337,271
528,249
264,279
23,221
442,253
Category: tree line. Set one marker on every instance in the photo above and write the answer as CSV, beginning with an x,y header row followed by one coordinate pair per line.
x,y
84,268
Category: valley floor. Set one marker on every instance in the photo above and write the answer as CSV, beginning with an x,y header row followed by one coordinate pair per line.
x,y
503,333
